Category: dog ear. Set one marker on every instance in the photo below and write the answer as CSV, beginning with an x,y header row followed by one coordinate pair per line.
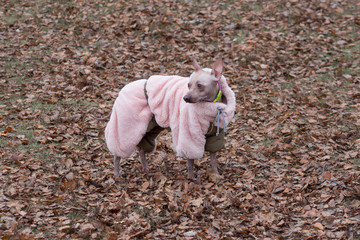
x,y
196,65
217,68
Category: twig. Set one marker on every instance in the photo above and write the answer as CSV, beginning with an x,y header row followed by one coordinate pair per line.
x,y
253,236
101,119
337,183
322,174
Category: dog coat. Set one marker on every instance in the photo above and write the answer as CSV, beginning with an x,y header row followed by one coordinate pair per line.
x,y
214,138
189,122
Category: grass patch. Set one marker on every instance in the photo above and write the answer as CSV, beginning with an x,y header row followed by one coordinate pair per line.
x,y
239,37
267,142
323,77
356,162
42,106
44,156
75,215
26,130
10,20
78,104
11,99
23,140
286,85
11,64
251,6
282,31
3,141
144,211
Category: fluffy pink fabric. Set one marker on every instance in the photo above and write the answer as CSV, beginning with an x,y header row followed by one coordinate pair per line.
x,y
129,119
188,122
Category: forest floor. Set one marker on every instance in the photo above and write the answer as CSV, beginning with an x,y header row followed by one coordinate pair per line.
x,y
291,167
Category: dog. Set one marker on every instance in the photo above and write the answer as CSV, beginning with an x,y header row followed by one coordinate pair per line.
x,y
192,107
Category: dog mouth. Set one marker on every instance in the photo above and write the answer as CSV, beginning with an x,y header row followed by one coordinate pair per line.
x,y
189,99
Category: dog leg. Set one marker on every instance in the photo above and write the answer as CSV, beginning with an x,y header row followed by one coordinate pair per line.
x,y
190,167
143,160
213,162
116,166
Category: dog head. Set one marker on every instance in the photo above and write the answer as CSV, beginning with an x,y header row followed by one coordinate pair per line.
x,y
203,86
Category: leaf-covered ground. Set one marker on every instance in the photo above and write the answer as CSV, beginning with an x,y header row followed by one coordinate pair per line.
x,y
291,167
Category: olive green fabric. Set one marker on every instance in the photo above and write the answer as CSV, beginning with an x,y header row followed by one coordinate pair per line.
x,y
213,143
147,143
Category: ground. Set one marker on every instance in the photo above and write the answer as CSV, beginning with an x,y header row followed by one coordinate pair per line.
x,y
291,167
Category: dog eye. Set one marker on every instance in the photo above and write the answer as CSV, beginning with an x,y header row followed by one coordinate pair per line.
x,y
189,85
199,85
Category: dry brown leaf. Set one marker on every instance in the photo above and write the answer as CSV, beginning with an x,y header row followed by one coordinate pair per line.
x,y
327,175
318,226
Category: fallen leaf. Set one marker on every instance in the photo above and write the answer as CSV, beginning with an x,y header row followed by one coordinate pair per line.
x,y
327,175
318,226
145,185
190,234
9,129
196,202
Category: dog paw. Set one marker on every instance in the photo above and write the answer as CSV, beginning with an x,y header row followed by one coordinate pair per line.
x,y
191,178
145,170
117,175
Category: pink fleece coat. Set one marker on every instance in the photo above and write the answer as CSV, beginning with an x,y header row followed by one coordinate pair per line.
x,y
189,122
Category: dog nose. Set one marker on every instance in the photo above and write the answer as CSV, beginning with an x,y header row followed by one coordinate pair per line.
x,y
186,98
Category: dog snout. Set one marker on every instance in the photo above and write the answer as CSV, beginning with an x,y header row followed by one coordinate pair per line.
x,y
187,98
